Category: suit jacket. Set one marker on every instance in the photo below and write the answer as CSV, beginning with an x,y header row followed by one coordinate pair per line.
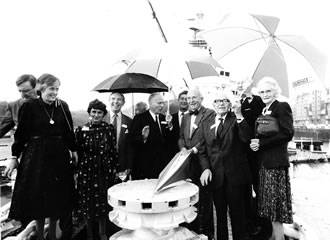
x,y
226,156
150,157
124,147
251,110
10,119
192,139
176,134
273,150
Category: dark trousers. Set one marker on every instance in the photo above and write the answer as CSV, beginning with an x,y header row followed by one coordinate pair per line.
x,y
203,223
232,197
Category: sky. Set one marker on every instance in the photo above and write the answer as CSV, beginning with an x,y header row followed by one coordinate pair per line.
x,y
82,41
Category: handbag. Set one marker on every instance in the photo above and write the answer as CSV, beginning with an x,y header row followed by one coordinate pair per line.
x,y
266,125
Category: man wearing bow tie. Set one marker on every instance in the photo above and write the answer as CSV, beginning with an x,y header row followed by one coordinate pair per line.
x,y
151,136
190,139
224,164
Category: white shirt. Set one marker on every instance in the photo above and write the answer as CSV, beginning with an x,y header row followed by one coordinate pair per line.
x,y
218,121
180,113
112,117
154,117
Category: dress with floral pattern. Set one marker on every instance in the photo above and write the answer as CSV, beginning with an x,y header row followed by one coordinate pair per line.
x,y
97,167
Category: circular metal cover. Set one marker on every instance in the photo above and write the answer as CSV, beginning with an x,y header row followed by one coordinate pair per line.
x,y
139,196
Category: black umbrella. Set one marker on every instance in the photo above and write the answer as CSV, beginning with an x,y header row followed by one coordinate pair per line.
x,y
131,83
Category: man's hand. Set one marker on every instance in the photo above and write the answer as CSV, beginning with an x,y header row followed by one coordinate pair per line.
x,y
12,164
145,132
254,145
74,158
168,119
206,177
236,108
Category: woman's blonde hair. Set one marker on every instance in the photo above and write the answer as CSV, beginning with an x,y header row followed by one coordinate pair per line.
x,y
272,83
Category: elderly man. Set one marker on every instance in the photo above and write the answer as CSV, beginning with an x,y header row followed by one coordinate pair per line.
x,y
150,137
26,86
190,138
224,164
122,124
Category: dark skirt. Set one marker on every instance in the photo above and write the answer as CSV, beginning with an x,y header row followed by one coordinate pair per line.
x,y
44,184
275,195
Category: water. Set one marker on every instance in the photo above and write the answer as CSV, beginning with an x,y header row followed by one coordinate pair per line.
x,y
310,190
311,196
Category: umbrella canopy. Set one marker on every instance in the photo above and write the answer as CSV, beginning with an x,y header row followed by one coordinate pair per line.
x,y
131,83
151,67
173,63
227,38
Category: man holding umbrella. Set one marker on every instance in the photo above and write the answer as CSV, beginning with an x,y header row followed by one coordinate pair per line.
x,y
151,136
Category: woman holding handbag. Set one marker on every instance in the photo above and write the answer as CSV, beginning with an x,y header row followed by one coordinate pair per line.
x,y
44,142
271,148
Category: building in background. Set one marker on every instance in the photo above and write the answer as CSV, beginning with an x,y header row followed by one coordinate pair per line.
x,y
311,108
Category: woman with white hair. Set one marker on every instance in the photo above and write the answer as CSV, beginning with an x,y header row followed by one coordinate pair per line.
x,y
274,182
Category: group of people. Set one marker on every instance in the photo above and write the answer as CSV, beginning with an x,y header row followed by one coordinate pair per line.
x,y
229,160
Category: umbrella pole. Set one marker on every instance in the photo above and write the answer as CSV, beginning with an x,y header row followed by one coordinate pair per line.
x,y
132,105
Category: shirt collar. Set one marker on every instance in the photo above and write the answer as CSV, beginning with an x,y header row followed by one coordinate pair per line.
x,y
183,112
112,114
153,115
217,117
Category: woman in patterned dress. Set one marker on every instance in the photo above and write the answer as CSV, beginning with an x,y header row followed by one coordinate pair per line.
x,y
97,167
43,141
274,185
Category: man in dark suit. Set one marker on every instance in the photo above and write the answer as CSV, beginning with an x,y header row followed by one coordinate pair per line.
x,y
224,164
122,124
177,120
190,137
26,86
251,108
150,137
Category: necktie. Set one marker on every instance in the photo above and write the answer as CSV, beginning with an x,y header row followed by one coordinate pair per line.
x,y
114,123
180,118
220,127
157,121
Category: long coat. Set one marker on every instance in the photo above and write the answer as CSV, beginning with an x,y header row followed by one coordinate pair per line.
x,y
151,156
226,156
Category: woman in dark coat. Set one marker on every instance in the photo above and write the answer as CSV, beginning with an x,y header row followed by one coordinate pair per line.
x,y
44,142
274,186
97,167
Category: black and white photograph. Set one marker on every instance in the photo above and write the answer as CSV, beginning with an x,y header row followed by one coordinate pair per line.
x,y
164,120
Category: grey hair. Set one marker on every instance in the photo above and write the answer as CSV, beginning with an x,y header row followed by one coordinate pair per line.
x,y
272,83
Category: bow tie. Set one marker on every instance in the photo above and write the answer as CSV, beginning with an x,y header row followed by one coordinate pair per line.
x,y
193,112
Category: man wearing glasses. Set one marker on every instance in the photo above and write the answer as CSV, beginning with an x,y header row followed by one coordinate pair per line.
x,y
26,86
224,164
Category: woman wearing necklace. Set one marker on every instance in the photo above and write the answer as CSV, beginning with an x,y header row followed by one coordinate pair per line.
x,y
274,201
97,168
44,142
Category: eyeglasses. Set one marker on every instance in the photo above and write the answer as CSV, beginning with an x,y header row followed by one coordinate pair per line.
x,y
265,92
221,101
